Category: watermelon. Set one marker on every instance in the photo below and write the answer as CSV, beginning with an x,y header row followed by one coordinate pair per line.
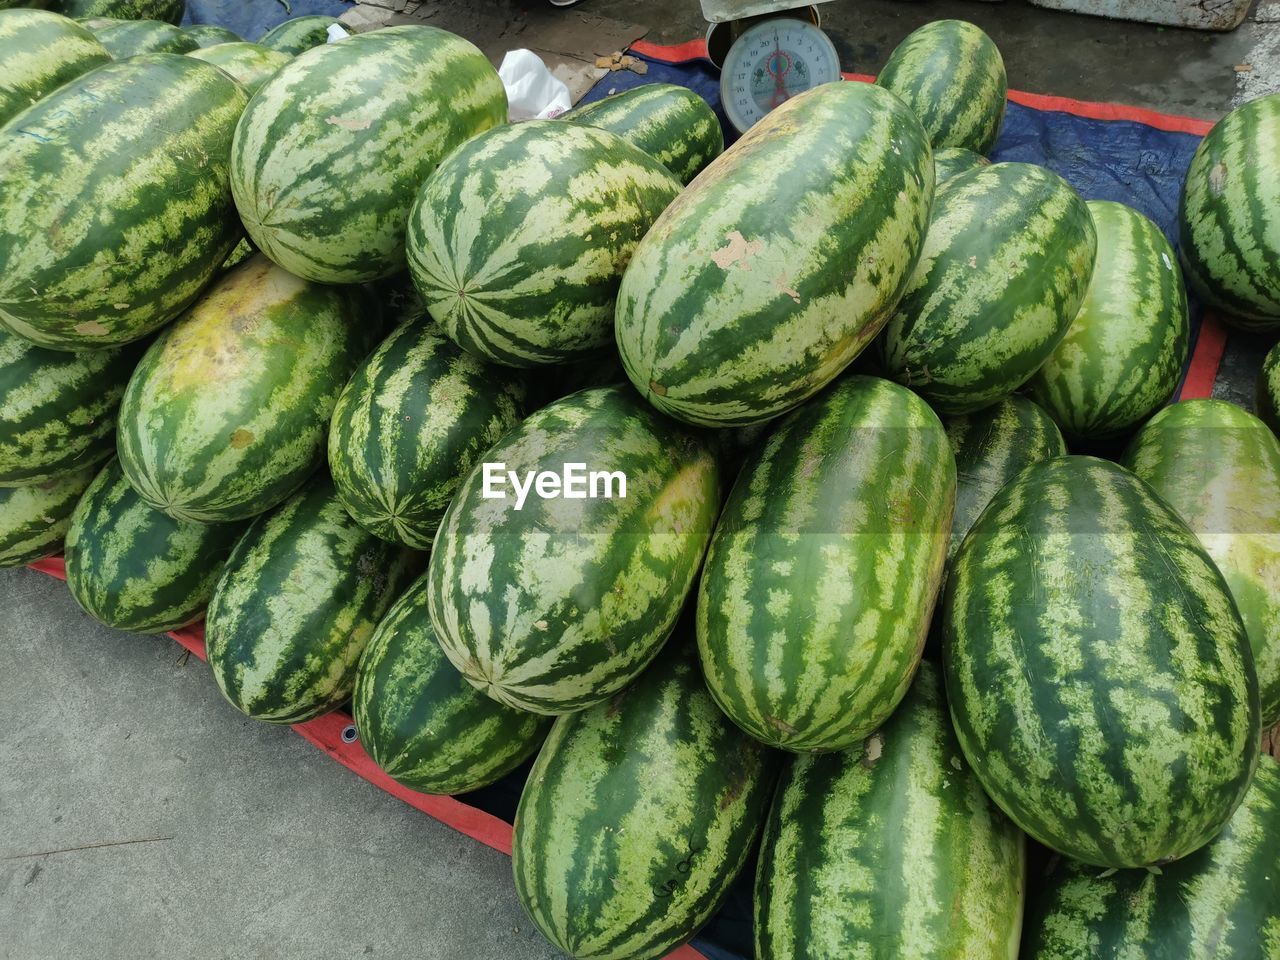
x,y
1122,357
332,149
1219,468
94,24
1099,676
637,816
210,34
814,604
1004,269
134,568
1227,220
39,52
57,410
250,63
421,722
131,158
952,161
1268,398
415,417
299,34
227,411
170,11
518,241
34,518
952,76
296,605
891,849
1220,903
554,605
781,261
671,123
134,37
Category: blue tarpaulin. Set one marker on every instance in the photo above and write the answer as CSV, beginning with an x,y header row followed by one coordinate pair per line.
x,y
250,19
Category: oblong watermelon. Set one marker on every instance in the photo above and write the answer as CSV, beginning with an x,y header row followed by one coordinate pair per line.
x,y
413,420
299,34
34,518
953,161
132,38
781,262
296,605
1219,468
671,123
1268,392
170,11
890,850
638,815
1005,267
146,139
210,34
250,63
1099,676
331,151
822,575
554,605
952,76
39,52
421,722
226,413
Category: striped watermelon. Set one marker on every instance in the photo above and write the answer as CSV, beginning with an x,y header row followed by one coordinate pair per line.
x,y
413,420
1268,398
421,722
731,312
1219,468
210,34
134,568
250,63
1220,903
1099,676
952,76
891,849
953,161
1230,242
558,605
1123,355
298,35
39,52
671,123
332,149
57,410
148,140
824,568
296,606
1005,267
170,11
637,816
34,518
518,241
226,413
134,37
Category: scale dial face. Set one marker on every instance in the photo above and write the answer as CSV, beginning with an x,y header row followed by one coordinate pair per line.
x,y
771,62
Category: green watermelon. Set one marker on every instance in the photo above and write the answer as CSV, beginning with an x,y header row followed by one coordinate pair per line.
x,y
637,816
781,261
34,518
250,63
39,52
299,34
1124,353
134,37
413,420
671,123
210,34
891,849
332,149
296,605
1219,468
554,605
518,241
1230,244
170,11
952,76
1005,267
823,572
131,158
1268,398
421,722
1220,903
1099,676
953,161
134,568
226,414
57,410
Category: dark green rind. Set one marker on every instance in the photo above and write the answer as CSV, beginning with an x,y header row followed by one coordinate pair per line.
x,y
412,421
250,64
135,37
1099,676
1268,392
39,52
890,850
952,161
421,722
170,11
134,568
210,35
34,518
818,587
296,606
558,606
671,123
637,816
147,139
298,35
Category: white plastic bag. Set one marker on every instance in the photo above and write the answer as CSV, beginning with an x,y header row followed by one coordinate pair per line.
x,y
336,33
533,92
